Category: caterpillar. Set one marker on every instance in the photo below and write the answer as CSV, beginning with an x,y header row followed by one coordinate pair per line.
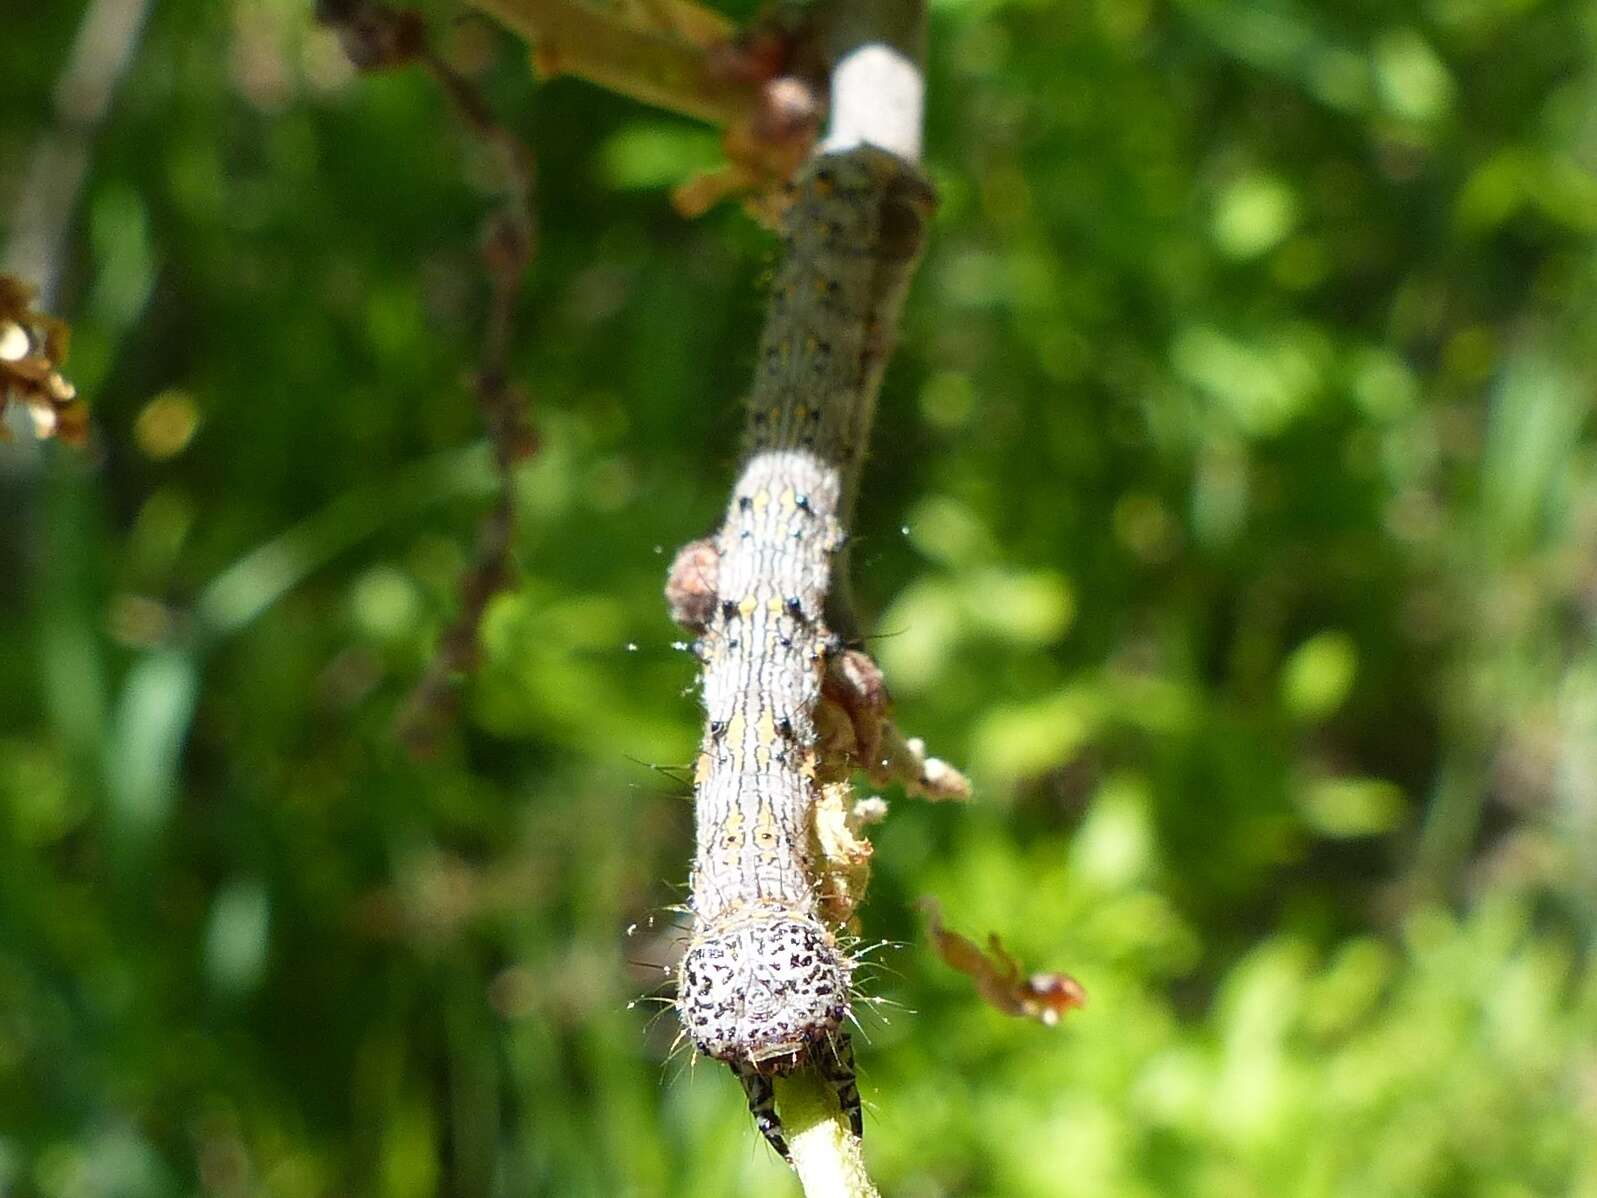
x,y
764,983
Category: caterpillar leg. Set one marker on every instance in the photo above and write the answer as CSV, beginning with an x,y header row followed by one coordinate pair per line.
x,y
762,1105
835,1061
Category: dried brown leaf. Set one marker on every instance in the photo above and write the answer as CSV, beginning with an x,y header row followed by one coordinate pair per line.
x,y
1045,997
844,856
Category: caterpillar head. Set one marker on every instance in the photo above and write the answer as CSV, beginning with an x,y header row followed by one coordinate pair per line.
x,y
764,990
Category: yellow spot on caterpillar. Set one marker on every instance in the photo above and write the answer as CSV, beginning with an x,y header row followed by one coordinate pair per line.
x,y
747,607
801,413
764,738
765,833
731,839
812,344
734,733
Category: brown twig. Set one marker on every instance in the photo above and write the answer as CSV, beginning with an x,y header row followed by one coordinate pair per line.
x,y
1046,997
32,345
791,713
377,37
107,36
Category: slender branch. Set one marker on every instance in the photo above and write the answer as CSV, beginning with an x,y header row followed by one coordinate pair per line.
x,y
878,94
877,99
375,37
827,1159
768,594
508,245
790,713
106,39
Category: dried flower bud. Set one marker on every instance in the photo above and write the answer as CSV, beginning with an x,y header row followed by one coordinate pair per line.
x,y
690,587
32,347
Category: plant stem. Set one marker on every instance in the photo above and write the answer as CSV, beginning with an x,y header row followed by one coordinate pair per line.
x,y
826,1156
877,100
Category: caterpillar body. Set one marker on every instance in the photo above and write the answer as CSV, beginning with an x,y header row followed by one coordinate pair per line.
x,y
764,983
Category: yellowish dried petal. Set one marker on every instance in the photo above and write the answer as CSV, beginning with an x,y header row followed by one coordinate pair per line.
x,y
14,341
60,390
33,369
72,424
44,419
57,338
844,858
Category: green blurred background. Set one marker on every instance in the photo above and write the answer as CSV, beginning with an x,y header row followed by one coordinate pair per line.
x,y
1232,516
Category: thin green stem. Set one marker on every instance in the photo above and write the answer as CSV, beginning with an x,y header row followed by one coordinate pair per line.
x,y
826,1156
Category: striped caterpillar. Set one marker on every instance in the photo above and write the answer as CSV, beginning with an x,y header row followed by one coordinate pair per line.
x,y
764,983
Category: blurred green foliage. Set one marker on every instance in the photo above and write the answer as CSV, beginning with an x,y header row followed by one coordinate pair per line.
x,y
1232,515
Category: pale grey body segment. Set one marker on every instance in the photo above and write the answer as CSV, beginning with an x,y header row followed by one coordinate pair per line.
x,y
764,984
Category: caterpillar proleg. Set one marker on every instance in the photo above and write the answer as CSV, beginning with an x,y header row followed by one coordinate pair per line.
x,y
764,983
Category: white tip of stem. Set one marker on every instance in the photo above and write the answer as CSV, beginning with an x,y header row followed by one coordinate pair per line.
x,y
878,95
